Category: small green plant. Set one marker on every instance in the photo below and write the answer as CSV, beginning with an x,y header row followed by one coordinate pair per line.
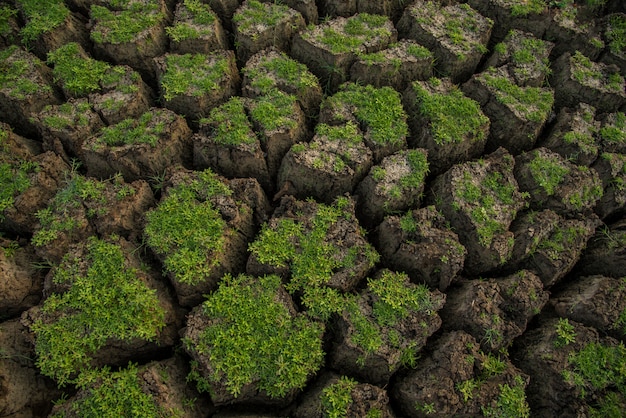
x,y
547,172
511,402
106,300
616,34
124,26
194,14
565,333
16,69
453,117
6,15
336,398
229,124
41,16
528,52
67,115
527,7
358,30
114,393
467,388
587,72
187,229
386,126
252,338
15,178
193,74
274,110
255,13
147,129
79,74
426,408
272,71
533,103
614,129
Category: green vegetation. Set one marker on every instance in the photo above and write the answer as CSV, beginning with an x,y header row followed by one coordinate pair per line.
x,y
105,300
614,129
616,34
418,163
419,52
565,333
15,76
532,103
187,229
304,247
113,394
271,71
274,110
547,172
458,25
14,174
6,15
511,402
252,338
194,14
193,74
79,192
527,7
561,240
358,30
336,398
79,74
256,13
530,49
124,26
585,72
147,129
588,194
41,16
453,117
485,197
229,124
583,140
67,115
379,109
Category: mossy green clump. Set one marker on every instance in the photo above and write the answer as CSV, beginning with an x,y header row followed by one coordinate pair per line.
x,y
358,30
524,8
195,13
79,74
271,70
484,198
118,27
253,338
547,172
15,176
193,74
113,394
6,14
147,129
336,398
533,103
15,76
274,110
379,109
561,239
453,117
420,52
616,34
79,191
188,230
256,13
587,72
68,115
614,129
106,299
305,249
418,163
511,402
41,16
229,124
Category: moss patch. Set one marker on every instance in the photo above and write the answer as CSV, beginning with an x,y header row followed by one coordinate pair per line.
x,y
118,27
193,74
41,16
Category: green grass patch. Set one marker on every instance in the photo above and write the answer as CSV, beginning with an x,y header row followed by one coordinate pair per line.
x,y
15,76
256,14
616,34
419,52
147,129
14,179
41,16
358,30
561,240
105,300
68,115
547,172
118,27
585,71
274,110
614,129
6,15
524,8
282,68
379,109
453,116
533,103
79,74
114,394
193,74
188,230
418,162
229,124
511,402
337,398
194,13
252,338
